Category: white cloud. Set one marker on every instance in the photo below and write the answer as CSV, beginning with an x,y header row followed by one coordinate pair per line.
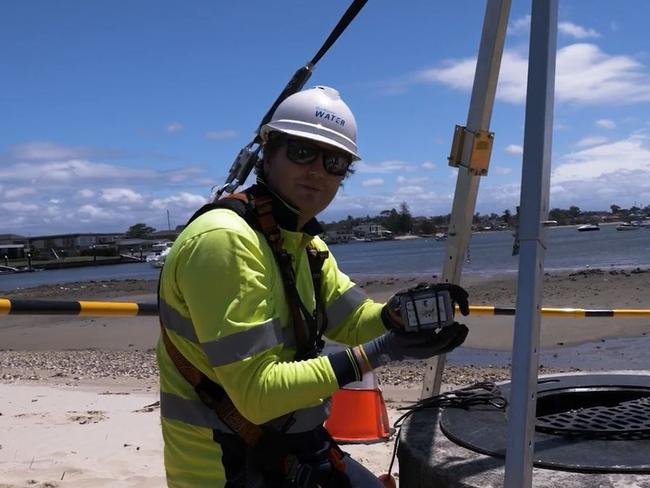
x,y
514,149
621,188
183,200
85,193
19,207
498,198
220,135
502,170
50,174
117,195
16,193
92,211
420,202
429,165
605,123
591,141
120,195
383,167
403,180
372,182
37,151
585,75
605,161
574,30
411,190
174,127
522,25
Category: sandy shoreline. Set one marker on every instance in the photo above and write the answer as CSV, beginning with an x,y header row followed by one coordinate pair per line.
x,y
78,396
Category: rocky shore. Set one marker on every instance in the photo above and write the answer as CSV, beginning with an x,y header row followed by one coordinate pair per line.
x,y
79,367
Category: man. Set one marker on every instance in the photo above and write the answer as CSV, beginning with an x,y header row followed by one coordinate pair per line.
x,y
241,302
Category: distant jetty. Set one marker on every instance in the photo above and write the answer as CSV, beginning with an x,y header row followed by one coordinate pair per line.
x,y
71,263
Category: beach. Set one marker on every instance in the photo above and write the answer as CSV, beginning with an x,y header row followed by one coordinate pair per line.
x,y
78,396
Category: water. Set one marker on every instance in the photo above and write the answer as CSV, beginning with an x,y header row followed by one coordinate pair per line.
x,y
490,254
87,273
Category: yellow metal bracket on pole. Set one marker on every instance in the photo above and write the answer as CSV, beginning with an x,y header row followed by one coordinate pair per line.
x,y
477,160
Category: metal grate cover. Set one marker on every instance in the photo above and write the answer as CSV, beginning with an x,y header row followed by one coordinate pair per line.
x,y
626,420
586,422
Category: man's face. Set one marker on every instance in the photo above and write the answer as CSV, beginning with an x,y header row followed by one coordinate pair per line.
x,y
307,186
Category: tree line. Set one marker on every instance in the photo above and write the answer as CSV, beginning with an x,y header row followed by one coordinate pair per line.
x,y
401,221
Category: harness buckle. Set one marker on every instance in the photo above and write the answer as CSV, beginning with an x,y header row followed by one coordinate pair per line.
x,y
300,475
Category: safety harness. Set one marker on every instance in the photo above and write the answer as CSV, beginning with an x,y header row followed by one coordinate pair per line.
x,y
256,207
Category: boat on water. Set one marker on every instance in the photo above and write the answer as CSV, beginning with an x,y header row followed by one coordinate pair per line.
x,y
627,226
23,269
158,259
588,227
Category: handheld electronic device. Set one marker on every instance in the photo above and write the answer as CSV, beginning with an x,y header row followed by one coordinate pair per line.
x,y
425,308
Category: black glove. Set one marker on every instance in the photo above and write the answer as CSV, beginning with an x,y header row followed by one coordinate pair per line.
x,y
391,312
397,345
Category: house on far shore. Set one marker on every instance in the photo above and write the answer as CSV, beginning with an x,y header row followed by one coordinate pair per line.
x,y
339,236
12,246
44,247
372,232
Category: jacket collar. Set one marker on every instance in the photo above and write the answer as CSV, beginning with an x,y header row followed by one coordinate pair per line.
x,y
286,215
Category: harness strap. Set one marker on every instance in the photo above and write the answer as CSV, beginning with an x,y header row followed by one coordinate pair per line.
x,y
213,395
316,260
301,318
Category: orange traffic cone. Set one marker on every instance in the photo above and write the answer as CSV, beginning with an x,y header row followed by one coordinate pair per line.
x,y
358,413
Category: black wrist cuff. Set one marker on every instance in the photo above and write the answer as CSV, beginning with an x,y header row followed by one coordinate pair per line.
x,y
345,367
388,322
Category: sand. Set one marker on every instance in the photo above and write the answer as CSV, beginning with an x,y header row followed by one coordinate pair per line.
x,y
78,396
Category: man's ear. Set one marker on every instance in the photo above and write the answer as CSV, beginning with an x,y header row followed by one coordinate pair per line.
x,y
266,165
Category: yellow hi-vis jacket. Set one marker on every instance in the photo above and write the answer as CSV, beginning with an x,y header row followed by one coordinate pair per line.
x,y
223,304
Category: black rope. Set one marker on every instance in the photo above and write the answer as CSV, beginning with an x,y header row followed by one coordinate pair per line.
x,y
348,17
482,393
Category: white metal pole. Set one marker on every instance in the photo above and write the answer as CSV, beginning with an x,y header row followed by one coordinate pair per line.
x,y
478,118
535,178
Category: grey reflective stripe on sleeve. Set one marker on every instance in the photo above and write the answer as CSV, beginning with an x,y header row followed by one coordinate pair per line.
x,y
174,321
244,344
303,420
195,412
234,347
344,305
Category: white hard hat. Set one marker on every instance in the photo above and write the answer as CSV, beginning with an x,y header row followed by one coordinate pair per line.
x,y
317,114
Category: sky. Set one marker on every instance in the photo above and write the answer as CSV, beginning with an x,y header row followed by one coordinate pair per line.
x,y
114,113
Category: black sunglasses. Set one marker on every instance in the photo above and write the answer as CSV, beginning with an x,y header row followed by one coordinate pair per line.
x,y
302,152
